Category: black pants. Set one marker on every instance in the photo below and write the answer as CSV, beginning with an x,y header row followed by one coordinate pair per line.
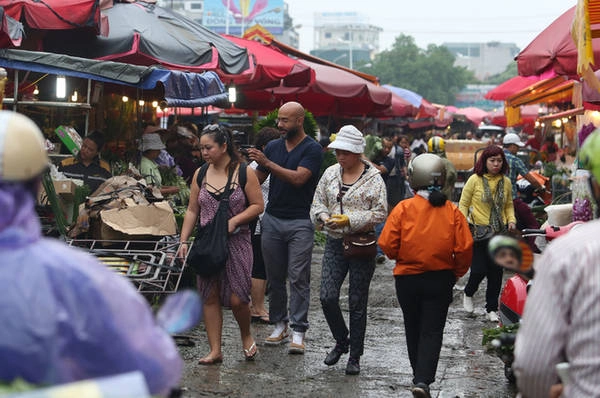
x,y
482,267
334,270
424,299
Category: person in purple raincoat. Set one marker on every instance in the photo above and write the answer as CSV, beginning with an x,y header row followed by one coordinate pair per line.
x,y
65,317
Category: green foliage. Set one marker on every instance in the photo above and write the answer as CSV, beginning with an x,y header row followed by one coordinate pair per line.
x,y
329,159
430,72
16,386
320,238
373,146
310,124
510,72
505,352
170,178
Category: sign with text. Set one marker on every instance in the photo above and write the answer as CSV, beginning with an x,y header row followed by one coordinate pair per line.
x,y
242,14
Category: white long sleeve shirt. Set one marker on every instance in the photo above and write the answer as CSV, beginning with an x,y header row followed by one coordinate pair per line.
x,y
561,321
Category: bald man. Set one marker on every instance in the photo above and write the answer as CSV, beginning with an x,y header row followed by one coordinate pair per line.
x,y
293,162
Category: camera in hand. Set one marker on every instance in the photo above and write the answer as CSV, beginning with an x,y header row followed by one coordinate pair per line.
x,y
244,148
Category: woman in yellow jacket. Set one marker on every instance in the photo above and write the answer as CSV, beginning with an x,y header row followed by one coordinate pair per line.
x,y
486,199
430,240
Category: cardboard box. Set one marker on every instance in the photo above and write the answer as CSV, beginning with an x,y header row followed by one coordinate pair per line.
x,y
64,188
70,137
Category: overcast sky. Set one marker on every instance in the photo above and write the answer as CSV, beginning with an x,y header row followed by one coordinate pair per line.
x,y
439,21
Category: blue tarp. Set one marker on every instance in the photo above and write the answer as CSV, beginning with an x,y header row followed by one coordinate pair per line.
x,y
182,89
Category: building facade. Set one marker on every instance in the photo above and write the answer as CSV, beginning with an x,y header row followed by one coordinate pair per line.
x,y
484,59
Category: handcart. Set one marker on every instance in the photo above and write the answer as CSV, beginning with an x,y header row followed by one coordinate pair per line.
x,y
154,267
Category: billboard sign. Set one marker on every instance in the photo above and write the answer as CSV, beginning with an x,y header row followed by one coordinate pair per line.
x,y
242,14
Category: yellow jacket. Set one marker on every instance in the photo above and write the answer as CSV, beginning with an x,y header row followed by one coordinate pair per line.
x,y
424,238
471,198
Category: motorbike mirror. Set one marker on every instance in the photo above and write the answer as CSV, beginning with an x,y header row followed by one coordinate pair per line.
x,y
180,312
512,254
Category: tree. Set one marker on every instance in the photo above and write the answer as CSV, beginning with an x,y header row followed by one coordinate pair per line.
x,y
510,72
430,72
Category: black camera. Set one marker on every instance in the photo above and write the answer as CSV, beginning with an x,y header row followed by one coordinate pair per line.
x,y
244,148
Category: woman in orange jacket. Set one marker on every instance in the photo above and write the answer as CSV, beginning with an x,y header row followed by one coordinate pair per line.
x,y
430,240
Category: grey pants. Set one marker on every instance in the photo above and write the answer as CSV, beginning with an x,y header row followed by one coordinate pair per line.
x,y
287,250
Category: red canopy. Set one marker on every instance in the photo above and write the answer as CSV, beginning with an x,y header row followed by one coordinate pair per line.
x,y
475,115
554,49
270,67
399,108
333,91
514,85
55,14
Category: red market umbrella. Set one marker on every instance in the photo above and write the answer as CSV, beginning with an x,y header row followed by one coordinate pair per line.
x,y
426,108
529,114
475,115
333,92
270,67
145,34
514,85
55,14
399,108
11,31
554,49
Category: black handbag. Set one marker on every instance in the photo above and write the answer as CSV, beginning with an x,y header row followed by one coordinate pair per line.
x,y
481,232
209,252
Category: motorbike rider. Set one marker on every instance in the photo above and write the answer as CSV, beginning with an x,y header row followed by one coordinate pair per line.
x,y
437,145
561,321
65,317
525,218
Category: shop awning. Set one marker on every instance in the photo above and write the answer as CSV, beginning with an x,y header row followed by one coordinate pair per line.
x,y
555,89
185,89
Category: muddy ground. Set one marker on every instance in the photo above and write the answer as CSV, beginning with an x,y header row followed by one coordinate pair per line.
x,y
465,370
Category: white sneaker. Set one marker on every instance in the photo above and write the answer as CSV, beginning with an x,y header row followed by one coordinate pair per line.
x,y
297,344
467,303
492,316
279,335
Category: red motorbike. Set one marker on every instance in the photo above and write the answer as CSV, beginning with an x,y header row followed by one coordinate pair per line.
x,y
514,293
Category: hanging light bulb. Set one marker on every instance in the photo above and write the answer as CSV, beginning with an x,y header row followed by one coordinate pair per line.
x,y
125,98
36,91
232,94
74,96
154,104
61,87
141,102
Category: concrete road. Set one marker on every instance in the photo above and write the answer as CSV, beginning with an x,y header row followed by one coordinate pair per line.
x,y
465,370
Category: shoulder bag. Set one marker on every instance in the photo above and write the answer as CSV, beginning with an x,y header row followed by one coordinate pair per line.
x,y
359,245
209,252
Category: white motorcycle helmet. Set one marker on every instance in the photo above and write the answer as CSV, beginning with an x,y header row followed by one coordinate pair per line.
x,y
426,170
22,151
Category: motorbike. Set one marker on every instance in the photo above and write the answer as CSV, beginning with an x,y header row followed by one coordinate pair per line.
x,y
514,293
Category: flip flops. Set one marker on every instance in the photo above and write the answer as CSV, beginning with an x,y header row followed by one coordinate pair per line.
x,y
250,353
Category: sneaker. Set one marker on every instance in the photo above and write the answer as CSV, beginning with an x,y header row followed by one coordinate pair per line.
x,y
492,316
353,366
334,355
421,390
467,303
279,335
297,344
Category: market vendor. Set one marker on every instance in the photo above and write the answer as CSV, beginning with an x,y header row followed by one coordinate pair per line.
x,y
87,165
150,147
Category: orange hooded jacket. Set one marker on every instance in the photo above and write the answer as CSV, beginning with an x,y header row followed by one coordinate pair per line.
x,y
424,238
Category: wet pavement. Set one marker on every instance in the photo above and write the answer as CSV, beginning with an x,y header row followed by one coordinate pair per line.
x,y
464,370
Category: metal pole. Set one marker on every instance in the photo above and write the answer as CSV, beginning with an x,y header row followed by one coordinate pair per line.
x,y
351,60
227,17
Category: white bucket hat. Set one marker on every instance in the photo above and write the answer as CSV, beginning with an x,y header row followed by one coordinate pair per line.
x,y
350,139
151,141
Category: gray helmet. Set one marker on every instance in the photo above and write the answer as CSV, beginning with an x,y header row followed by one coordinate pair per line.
x,y
426,170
